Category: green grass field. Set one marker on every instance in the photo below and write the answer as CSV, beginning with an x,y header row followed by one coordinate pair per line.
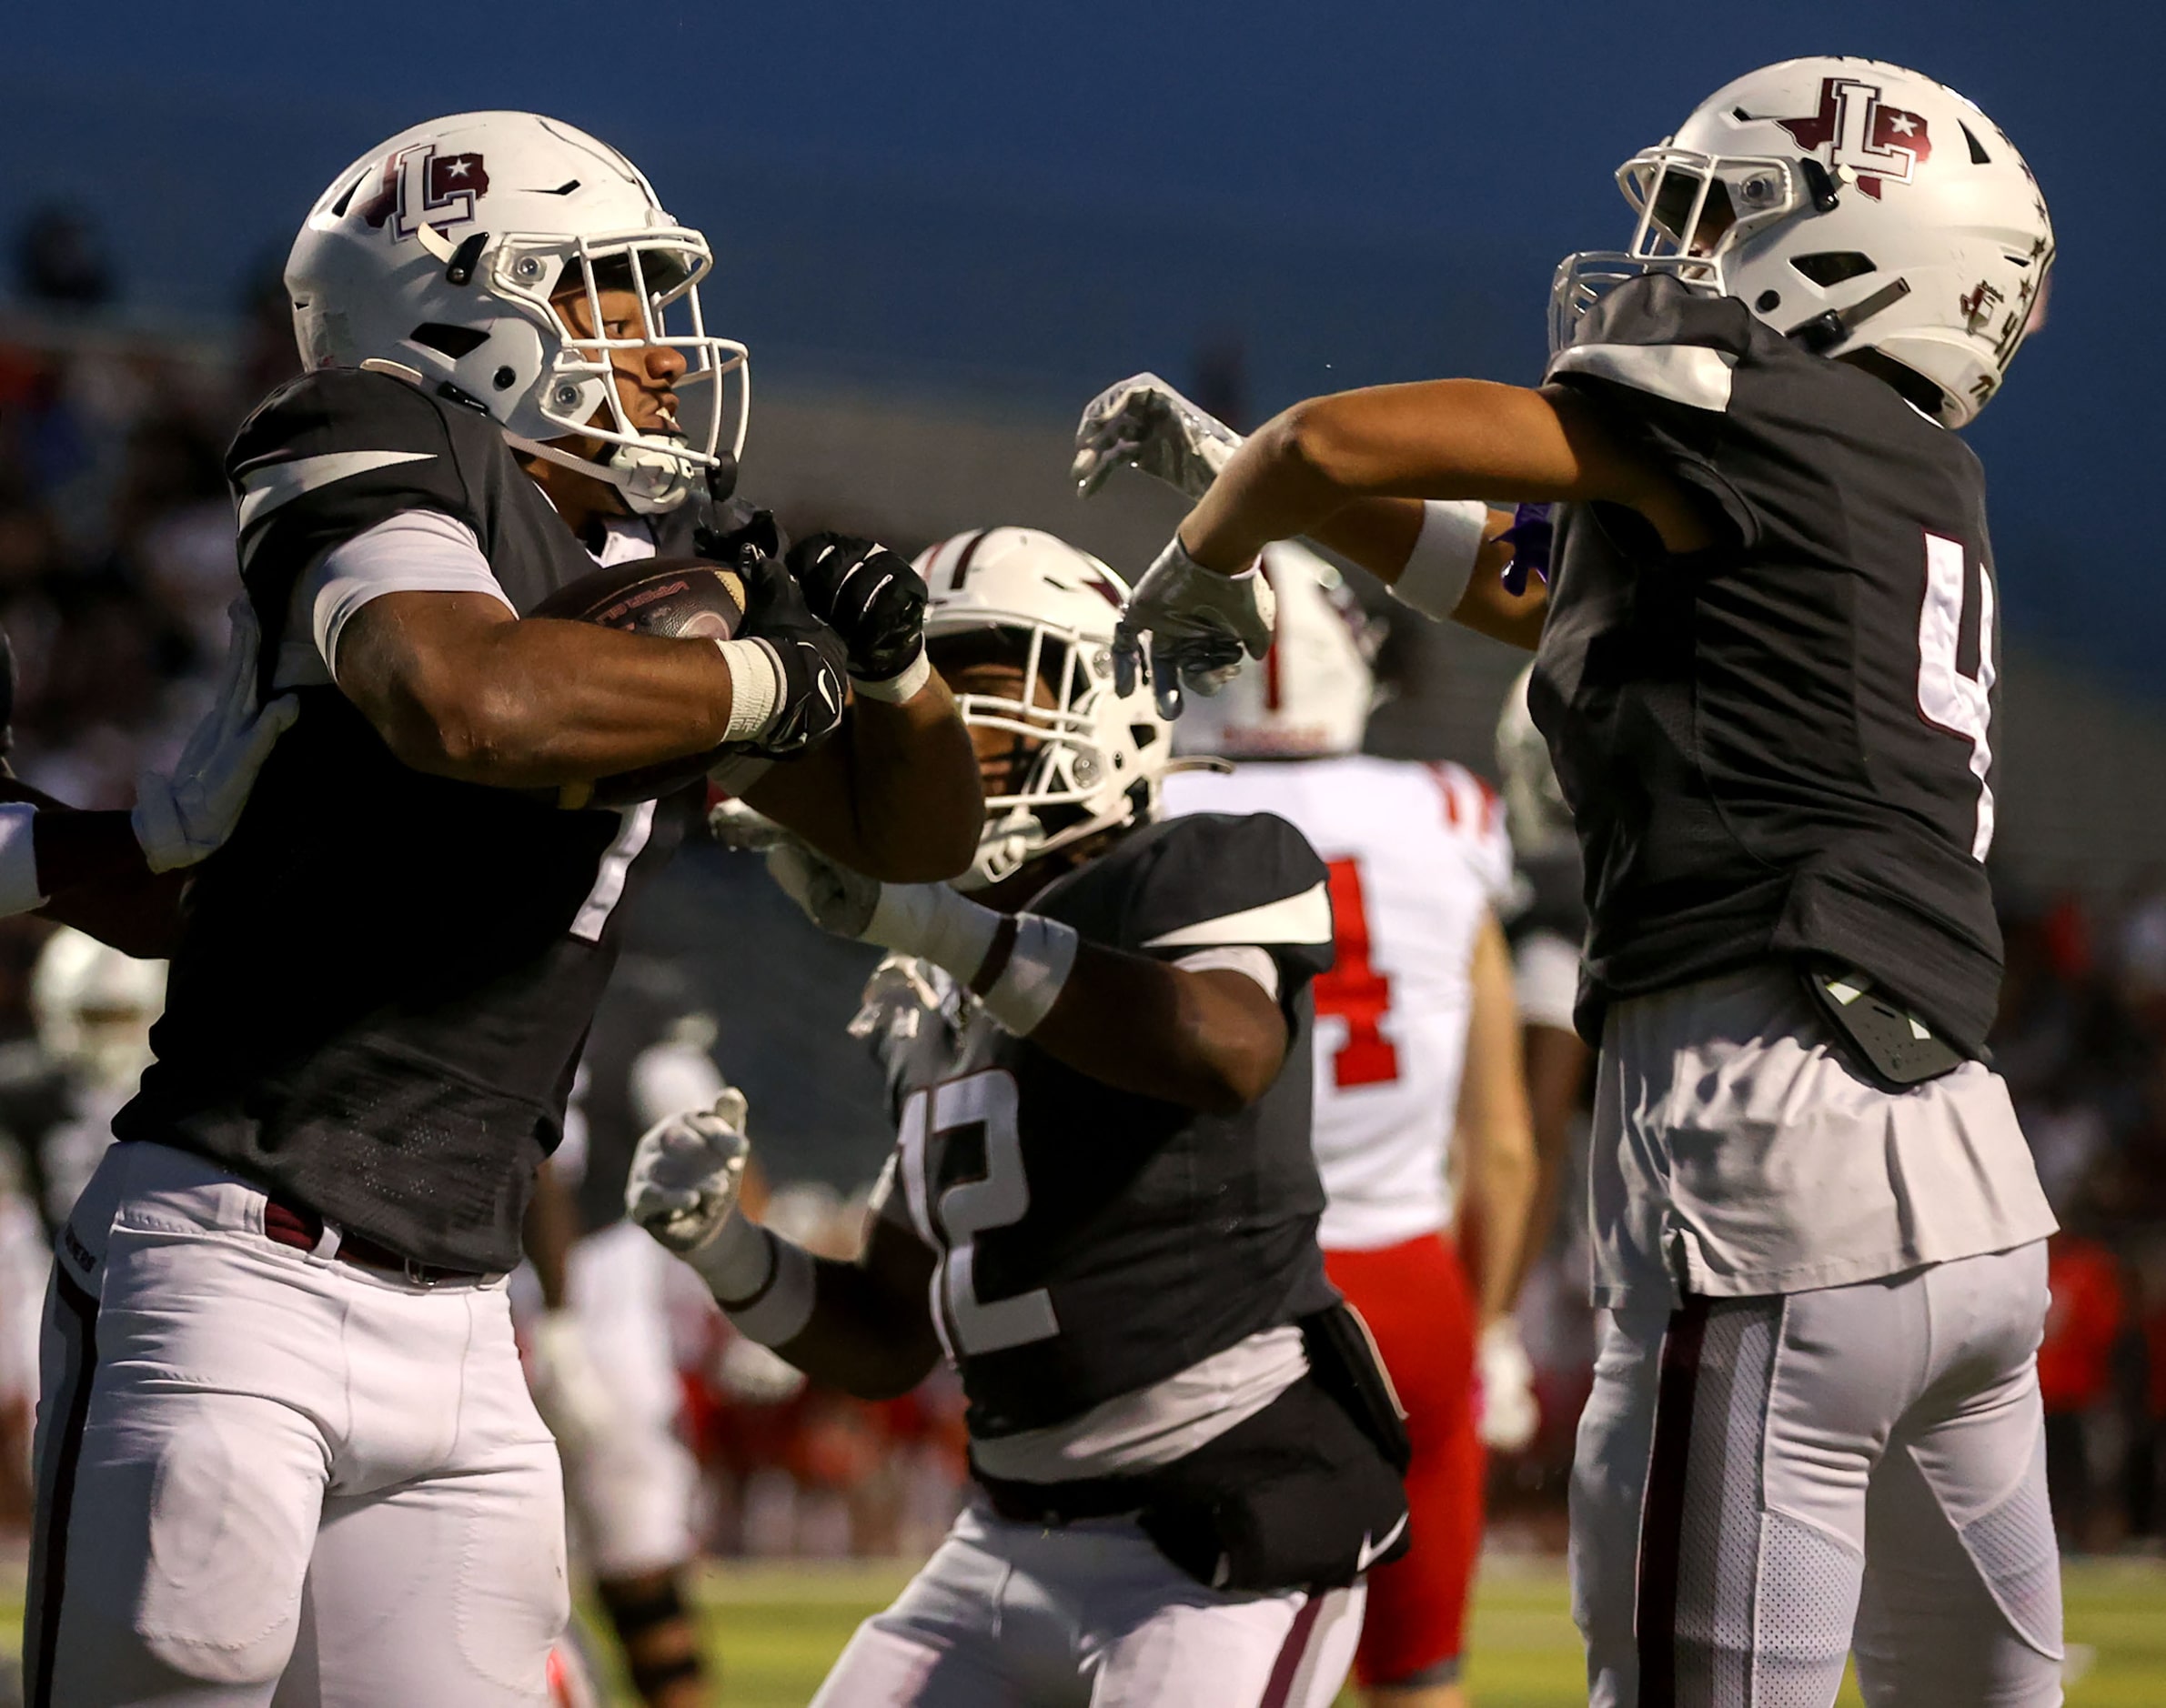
x,y
773,1630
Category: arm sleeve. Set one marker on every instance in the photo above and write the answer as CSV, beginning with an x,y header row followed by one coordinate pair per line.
x,y
1661,364
1546,976
415,551
1217,881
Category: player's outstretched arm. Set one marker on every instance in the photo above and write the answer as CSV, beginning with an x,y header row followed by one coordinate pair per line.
x,y
896,794
1212,1040
862,1327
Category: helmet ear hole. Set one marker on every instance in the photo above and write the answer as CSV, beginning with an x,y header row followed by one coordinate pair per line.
x,y
452,341
1833,266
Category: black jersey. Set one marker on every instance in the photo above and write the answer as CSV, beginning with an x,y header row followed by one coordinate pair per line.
x,y
1094,1241
1779,745
384,985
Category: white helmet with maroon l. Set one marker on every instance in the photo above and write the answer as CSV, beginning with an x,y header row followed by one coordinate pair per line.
x,y
1099,753
1313,692
1860,208
439,251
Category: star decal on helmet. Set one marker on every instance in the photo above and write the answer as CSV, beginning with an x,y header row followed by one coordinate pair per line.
x,y
1878,145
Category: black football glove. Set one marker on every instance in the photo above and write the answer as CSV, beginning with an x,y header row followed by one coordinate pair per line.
x,y
811,656
872,596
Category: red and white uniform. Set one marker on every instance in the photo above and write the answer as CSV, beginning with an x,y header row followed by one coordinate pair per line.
x,y
1418,858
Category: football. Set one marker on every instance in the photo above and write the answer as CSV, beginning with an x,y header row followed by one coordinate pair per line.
x,y
675,597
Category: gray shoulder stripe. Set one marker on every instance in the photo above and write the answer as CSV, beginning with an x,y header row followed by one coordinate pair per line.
x,y
1690,373
270,486
1301,918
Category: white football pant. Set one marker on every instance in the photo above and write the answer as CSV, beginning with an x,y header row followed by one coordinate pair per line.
x,y
1763,1483
633,1486
266,1477
1087,1615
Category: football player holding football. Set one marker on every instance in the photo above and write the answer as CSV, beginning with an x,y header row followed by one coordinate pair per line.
x,y
1417,1083
1102,1206
1767,676
285,1445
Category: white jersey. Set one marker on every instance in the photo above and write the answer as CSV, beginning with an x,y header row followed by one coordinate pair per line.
x,y
1418,857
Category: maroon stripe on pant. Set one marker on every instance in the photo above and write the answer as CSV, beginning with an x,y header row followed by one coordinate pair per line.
x,y
1662,1509
48,1563
1279,1691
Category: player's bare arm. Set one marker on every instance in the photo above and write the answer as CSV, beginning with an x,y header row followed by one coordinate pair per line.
x,y
1447,438
1421,551
458,687
894,794
1495,1129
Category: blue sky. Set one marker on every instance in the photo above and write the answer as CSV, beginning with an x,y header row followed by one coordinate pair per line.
x,y
1028,200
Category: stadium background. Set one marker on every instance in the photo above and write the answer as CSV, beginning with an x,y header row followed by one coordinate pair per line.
x,y
939,230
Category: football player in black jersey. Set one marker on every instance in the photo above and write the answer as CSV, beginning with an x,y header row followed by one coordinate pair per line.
x,y
1766,671
1102,1206
285,1445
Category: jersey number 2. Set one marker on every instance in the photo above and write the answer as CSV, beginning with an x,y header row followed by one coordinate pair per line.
x,y
1947,699
998,1199
1353,990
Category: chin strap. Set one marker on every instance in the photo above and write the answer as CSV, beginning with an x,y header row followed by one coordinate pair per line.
x,y
637,471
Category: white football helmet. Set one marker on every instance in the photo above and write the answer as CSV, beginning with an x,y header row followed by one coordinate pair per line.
x,y
1535,814
1853,205
1313,692
93,1007
439,251
1100,754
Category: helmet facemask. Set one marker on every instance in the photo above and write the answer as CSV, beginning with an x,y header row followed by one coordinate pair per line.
x,y
1694,210
1066,776
576,393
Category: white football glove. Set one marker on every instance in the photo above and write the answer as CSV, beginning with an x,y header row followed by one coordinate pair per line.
x,y
687,1171
1509,1411
181,819
1200,624
1143,423
744,829
751,1374
569,1390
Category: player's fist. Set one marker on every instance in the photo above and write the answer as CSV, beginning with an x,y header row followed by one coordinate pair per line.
x,y
1509,1411
1146,424
687,1172
870,596
809,657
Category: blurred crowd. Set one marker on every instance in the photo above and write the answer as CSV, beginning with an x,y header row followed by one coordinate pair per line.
x,y
117,564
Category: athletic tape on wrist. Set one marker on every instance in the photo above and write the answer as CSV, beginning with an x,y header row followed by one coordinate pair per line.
x,y
904,685
1443,554
778,1312
1021,987
755,687
936,923
18,859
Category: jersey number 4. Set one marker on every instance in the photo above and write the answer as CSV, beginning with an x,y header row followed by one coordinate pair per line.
x,y
1353,990
951,1219
1947,699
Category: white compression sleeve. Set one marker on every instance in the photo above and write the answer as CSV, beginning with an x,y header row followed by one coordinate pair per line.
x,y
415,551
763,1283
18,859
1443,558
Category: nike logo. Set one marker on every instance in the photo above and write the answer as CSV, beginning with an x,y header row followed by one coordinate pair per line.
x,y
1370,1553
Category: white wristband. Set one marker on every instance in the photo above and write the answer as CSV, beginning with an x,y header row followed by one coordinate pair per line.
x,y
935,923
1444,556
755,687
18,859
1021,987
779,1314
904,685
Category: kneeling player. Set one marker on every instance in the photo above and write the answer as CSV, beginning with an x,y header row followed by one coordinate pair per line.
x,y
1103,1184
